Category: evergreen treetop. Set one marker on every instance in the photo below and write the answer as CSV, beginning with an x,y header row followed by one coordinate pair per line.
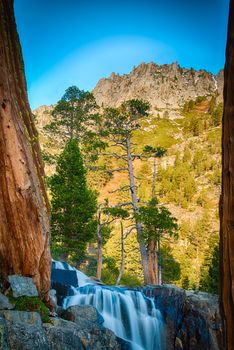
x,y
73,205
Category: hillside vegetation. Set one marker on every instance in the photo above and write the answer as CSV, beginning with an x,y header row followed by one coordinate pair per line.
x,y
187,183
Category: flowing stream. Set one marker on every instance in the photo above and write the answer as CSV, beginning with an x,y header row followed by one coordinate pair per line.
x,y
128,313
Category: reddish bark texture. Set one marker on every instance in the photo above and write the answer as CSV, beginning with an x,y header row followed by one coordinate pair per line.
x,y
227,198
24,208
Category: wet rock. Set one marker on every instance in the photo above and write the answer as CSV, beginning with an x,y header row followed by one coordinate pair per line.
x,y
87,312
22,286
200,326
4,303
65,277
169,300
192,319
61,281
62,291
178,344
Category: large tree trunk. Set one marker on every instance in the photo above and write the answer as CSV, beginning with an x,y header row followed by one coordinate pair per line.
x,y
152,262
227,198
133,189
121,270
24,219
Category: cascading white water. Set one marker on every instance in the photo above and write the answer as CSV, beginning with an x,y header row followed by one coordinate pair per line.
x,y
82,278
128,313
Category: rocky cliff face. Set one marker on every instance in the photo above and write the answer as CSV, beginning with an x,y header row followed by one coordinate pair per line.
x,y
164,86
192,319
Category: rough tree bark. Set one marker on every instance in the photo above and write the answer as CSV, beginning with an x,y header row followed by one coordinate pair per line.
x,y
227,197
152,262
24,208
99,242
122,256
139,229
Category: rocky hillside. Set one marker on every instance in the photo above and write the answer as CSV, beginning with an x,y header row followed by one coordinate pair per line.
x,y
164,86
185,120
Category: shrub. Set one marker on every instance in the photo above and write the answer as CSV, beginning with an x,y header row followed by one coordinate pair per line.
x,y
25,303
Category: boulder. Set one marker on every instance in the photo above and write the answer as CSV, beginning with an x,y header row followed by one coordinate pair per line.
x,y
63,334
86,312
53,302
200,326
65,277
61,281
192,319
4,345
62,291
4,303
25,317
20,330
22,286
24,331
169,300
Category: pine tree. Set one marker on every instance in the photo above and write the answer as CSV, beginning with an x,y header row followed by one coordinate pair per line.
x,y
157,223
73,206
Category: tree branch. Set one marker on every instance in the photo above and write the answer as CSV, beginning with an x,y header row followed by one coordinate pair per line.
x,y
116,170
113,154
124,188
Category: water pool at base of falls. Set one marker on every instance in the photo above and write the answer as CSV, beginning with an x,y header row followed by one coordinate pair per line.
x,y
127,312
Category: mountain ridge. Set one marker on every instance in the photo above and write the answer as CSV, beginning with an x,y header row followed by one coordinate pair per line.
x,y
165,86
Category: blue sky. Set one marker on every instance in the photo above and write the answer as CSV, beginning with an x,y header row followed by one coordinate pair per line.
x,y
77,42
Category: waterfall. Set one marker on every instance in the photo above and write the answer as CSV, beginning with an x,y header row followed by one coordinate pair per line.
x,y
127,312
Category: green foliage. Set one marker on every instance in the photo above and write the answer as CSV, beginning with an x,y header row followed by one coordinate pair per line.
x,y
156,152
188,106
73,205
25,303
187,155
157,220
194,124
185,282
122,121
171,269
189,187
217,114
75,116
200,99
72,112
162,132
110,273
116,212
48,158
177,183
209,280
215,177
